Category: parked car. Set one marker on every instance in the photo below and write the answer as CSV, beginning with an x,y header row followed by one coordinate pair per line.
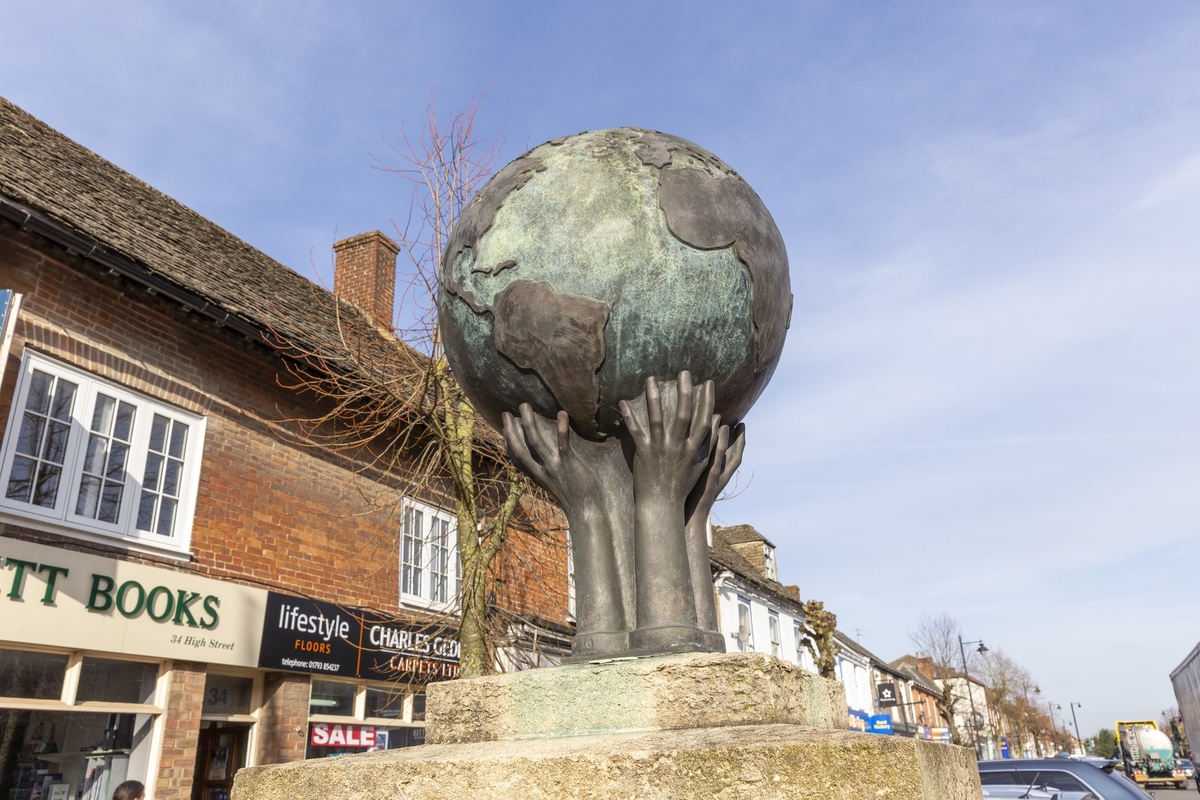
x,y
1070,779
1187,765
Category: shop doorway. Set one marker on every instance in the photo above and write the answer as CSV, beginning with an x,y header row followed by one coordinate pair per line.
x,y
220,753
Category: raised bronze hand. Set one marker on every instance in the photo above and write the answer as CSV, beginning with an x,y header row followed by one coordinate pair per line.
x,y
592,483
722,461
668,426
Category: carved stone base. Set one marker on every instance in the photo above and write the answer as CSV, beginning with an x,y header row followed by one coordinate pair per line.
x,y
691,690
760,761
705,725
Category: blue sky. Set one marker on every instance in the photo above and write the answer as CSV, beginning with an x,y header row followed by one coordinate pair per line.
x,y
990,396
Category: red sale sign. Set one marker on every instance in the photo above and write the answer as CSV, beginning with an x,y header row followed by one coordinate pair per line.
x,y
335,734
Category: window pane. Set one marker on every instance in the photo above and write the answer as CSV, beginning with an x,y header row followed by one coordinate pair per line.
x,y
46,491
331,697
102,486
745,628
112,681
116,462
146,512
35,676
89,497
29,440
166,517
102,414
1057,779
95,454
387,703
998,778
224,694
20,480
412,543
161,484
44,441
64,398
110,502
171,477
178,439
124,424
153,470
55,450
38,398
419,707
158,433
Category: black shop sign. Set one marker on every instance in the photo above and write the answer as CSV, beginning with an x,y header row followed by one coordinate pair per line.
x,y
338,641
886,695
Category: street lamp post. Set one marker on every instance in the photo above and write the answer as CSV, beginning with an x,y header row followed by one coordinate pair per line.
x,y
1074,719
1052,707
970,694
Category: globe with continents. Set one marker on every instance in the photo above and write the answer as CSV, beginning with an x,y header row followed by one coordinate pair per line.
x,y
595,261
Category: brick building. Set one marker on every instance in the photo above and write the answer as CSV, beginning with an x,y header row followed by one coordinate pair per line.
x,y
186,585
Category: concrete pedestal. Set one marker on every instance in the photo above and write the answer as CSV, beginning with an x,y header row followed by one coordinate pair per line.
x,y
691,690
686,726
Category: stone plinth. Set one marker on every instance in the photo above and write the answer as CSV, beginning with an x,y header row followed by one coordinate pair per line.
x,y
694,690
762,761
726,725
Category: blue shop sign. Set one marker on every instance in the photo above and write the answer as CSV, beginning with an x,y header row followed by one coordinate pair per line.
x,y
881,723
1004,751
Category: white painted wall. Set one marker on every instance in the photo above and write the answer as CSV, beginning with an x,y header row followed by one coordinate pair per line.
x,y
730,589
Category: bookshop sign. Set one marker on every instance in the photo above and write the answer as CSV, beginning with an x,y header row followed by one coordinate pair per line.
x,y
64,598
319,638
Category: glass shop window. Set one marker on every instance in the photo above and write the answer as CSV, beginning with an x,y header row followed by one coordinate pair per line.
x,y
385,703
357,717
227,695
108,681
71,754
32,676
332,698
419,707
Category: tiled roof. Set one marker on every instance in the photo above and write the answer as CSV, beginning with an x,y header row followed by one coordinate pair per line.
x,y
876,661
725,557
740,534
55,177
167,244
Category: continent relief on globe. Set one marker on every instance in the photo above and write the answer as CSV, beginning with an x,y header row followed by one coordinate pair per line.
x,y
595,261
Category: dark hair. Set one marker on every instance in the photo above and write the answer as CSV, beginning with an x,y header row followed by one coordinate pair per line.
x,y
130,790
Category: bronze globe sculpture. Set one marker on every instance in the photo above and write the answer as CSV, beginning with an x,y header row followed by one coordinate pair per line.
x,y
615,302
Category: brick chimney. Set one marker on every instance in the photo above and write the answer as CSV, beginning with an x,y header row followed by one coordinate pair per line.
x,y
364,273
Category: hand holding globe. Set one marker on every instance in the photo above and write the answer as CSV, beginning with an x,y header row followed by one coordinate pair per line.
x,y
581,292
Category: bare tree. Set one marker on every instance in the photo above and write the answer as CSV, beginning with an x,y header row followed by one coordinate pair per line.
x,y
388,397
937,638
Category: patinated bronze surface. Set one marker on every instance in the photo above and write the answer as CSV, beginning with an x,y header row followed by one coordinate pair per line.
x,y
616,301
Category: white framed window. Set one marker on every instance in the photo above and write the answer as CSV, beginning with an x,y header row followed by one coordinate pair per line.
x,y
745,633
770,568
96,459
776,634
429,567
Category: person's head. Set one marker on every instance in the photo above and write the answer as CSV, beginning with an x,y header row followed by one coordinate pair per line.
x,y
130,790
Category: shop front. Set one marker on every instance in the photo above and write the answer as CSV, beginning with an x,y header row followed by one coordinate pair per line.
x,y
368,672
94,654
